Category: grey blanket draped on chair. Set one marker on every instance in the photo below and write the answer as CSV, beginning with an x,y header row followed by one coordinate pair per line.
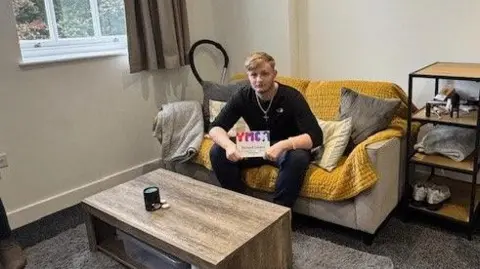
x,y
178,127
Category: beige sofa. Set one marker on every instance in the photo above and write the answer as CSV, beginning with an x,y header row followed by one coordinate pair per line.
x,y
365,211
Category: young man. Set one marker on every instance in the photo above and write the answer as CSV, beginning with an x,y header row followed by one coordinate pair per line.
x,y
11,255
280,109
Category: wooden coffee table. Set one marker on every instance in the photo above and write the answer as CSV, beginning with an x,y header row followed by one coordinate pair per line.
x,y
206,226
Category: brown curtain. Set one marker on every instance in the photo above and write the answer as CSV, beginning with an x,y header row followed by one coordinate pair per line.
x,y
158,35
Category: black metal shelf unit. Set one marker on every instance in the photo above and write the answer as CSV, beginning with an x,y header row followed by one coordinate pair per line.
x,y
463,206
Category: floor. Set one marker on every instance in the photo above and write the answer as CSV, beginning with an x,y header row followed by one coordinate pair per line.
x,y
419,243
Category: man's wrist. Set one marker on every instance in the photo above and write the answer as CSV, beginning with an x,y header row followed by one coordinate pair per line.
x,y
287,144
231,145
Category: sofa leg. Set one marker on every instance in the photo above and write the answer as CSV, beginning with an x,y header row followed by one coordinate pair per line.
x,y
368,238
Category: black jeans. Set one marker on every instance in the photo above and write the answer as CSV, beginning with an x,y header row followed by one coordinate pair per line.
x,y
5,231
293,166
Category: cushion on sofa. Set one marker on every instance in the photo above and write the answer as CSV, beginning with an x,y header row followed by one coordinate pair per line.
x,y
369,114
336,135
214,109
218,92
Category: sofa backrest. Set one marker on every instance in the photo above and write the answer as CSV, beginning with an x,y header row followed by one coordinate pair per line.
x,y
298,83
323,97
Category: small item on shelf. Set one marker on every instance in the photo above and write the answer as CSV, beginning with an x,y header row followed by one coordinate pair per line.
x,y
444,94
433,102
467,108
471,102
429,195
455,104
449,107
437,195
440,111
420,193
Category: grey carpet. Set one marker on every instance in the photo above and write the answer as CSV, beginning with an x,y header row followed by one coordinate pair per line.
x,y
70,250
421,243
411,245
312,252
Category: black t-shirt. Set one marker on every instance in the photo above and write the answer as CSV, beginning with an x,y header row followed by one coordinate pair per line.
x,y
289,114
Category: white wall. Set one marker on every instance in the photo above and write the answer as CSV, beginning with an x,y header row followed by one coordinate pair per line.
x,y
386,40
251,25
72,129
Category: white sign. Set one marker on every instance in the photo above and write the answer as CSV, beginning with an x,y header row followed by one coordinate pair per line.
x,y
253,143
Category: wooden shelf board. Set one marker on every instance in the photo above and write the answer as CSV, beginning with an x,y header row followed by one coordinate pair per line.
x,y
448,69
458,207
441,161
469,119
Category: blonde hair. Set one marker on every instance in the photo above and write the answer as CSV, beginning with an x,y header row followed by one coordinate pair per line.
x,y
254,59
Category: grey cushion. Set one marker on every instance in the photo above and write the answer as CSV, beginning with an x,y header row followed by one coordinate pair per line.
x,y
218,92
369,114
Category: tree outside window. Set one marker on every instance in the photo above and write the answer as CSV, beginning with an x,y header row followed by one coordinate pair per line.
x,y
69,23
31,19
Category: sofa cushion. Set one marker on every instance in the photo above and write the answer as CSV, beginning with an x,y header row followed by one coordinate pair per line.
x,y
369,114
214,109
218,92
336,135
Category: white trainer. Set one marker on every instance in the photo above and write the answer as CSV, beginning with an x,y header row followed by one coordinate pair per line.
x,y
420,190
436,195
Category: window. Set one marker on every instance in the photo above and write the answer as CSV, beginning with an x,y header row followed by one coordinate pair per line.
x,y
53,29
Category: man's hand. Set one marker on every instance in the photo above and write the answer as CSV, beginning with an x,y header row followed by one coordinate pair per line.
x,y
232,153
220,137
276,150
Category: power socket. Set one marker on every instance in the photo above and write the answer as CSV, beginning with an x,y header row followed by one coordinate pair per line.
x,y
3,160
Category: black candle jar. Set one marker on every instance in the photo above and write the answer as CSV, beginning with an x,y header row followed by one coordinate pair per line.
x,y
151,196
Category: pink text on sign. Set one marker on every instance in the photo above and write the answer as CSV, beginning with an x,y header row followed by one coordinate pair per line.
x,y
252,136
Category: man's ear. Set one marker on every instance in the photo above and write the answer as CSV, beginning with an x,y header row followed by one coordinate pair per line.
x,y
275,72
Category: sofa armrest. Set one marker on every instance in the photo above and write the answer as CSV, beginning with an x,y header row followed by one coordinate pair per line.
x,y
375,204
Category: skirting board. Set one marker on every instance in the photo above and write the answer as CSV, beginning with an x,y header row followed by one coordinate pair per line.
x,y
42,208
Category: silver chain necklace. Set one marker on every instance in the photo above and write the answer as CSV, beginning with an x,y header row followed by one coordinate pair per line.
x,y
265,116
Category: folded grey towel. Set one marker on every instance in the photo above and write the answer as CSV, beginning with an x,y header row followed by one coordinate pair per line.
x,y
178,127
453,142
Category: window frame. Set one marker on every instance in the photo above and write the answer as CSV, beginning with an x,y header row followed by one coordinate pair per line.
x,y
55,47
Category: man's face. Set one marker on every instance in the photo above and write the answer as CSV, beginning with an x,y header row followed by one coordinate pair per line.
x,y
262,78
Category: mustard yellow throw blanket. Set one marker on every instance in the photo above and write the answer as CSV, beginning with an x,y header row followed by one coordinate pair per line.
x,y
354,173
